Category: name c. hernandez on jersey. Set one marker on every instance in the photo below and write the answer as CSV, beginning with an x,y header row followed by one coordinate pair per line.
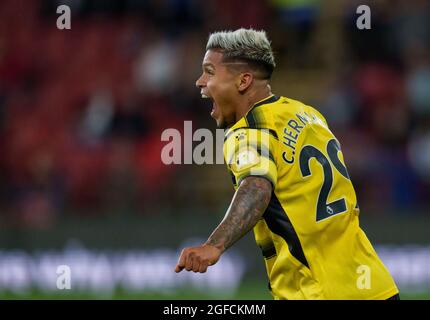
x,y
292,131
311,241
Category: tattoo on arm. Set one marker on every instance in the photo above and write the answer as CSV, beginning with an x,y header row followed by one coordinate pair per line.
x,y
247,207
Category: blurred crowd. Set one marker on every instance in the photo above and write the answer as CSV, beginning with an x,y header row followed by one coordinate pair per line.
x,y
82,110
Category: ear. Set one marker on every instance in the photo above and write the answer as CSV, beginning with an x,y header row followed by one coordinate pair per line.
x,y
244,81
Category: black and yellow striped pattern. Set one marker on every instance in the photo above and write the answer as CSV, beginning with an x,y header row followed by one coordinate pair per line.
x,y
310,249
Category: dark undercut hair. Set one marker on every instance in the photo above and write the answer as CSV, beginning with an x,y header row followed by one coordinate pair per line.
x,y
245,46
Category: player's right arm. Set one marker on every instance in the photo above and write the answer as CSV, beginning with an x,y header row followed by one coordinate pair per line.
x,y
247,207
250,158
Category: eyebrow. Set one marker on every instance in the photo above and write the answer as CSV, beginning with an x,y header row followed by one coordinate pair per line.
x,y
208,64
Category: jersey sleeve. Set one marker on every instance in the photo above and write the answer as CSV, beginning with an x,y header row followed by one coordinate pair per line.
x,y
251,152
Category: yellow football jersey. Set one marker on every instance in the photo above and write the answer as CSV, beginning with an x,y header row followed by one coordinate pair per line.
x,y
309,235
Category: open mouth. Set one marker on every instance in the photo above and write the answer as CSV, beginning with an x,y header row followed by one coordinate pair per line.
x,y
214,106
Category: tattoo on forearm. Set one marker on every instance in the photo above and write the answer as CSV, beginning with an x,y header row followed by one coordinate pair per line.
x,y
247,207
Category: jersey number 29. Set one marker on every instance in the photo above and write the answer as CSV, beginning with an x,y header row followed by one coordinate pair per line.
x,y
324,209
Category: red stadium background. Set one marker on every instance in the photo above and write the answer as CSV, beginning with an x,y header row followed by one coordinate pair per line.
x,y
82,112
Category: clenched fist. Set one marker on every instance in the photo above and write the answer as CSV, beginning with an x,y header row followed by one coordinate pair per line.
x,y
198,259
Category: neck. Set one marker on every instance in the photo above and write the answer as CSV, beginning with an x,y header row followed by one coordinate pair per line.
x,y
250,99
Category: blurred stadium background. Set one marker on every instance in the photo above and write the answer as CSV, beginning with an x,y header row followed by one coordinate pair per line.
x,y
81,116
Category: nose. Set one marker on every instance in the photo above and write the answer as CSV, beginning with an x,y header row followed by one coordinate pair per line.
x,y
200,83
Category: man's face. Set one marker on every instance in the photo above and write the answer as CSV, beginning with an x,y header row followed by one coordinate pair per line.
x,y
218,84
